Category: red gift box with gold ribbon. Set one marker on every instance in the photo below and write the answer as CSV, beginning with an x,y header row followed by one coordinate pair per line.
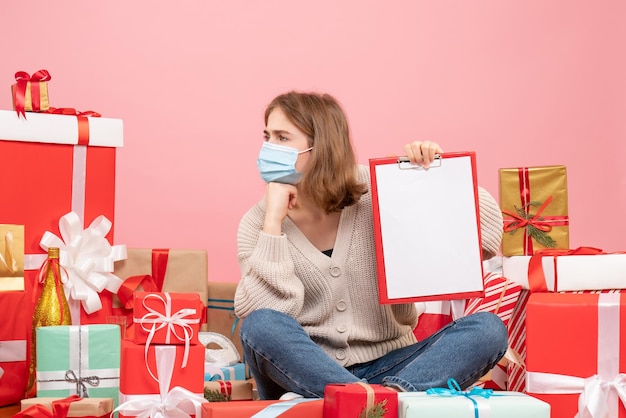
x,y
351,399
534,205
30,92
297,408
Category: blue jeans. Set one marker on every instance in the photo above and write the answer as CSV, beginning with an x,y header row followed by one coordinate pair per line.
x,y
283,358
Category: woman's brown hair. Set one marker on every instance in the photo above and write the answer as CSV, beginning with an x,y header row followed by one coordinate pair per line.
x,y
330,178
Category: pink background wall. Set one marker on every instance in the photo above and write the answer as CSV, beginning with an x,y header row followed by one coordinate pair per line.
x,y
522,83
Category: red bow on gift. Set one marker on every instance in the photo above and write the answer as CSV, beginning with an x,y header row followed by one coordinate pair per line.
x,y
59,409
73,112
23,78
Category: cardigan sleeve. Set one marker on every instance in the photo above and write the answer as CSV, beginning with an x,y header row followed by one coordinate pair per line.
x,y
268,277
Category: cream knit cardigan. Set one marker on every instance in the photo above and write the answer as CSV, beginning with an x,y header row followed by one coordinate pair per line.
x,y
334,298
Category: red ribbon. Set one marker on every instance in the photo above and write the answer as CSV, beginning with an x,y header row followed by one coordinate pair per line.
x,y
83,122
536,276
226,388
23,78
60,409
544,223
149,282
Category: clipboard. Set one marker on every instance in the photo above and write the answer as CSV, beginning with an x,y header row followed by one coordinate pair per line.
x,y
427,229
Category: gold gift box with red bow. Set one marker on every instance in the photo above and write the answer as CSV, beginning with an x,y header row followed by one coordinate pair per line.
x,y
534,206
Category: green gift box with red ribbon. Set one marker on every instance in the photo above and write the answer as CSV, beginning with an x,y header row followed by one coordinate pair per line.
x,y
534,205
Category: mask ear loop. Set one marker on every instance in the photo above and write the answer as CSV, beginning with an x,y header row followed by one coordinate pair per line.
x,y
306,150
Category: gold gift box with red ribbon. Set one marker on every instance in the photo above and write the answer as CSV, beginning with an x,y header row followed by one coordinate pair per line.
x,y
30,93
534,205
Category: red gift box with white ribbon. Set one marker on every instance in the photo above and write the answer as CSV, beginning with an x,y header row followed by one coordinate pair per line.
x,y
575,353
13,348
167,317
159,377
64,164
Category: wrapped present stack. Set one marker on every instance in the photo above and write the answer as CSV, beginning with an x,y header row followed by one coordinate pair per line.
x,y
62,189
501,298
159,270
535,209
163,366
571,297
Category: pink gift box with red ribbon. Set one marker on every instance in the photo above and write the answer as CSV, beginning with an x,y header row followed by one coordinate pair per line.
x,y
167,317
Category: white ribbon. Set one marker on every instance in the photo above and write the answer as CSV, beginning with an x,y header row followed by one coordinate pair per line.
x,y
175,403
79,173
87,258
598,393
168,320
12,350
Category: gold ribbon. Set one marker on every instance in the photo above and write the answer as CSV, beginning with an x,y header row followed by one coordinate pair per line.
x,y
8,263
369,392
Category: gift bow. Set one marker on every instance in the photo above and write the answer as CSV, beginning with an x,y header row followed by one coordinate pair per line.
x,y
8,263
175,403
522,222
170,321
81,389
455,390
60,409
23,78
70,111
87,259
594,390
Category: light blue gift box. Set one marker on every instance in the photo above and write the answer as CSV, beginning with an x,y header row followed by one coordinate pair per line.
x,y
500,404
235,372
78,359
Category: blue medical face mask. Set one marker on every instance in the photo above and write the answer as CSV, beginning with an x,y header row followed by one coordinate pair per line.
x,y
278,163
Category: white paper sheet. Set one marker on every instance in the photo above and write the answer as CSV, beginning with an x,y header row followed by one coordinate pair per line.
x,y
429,230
